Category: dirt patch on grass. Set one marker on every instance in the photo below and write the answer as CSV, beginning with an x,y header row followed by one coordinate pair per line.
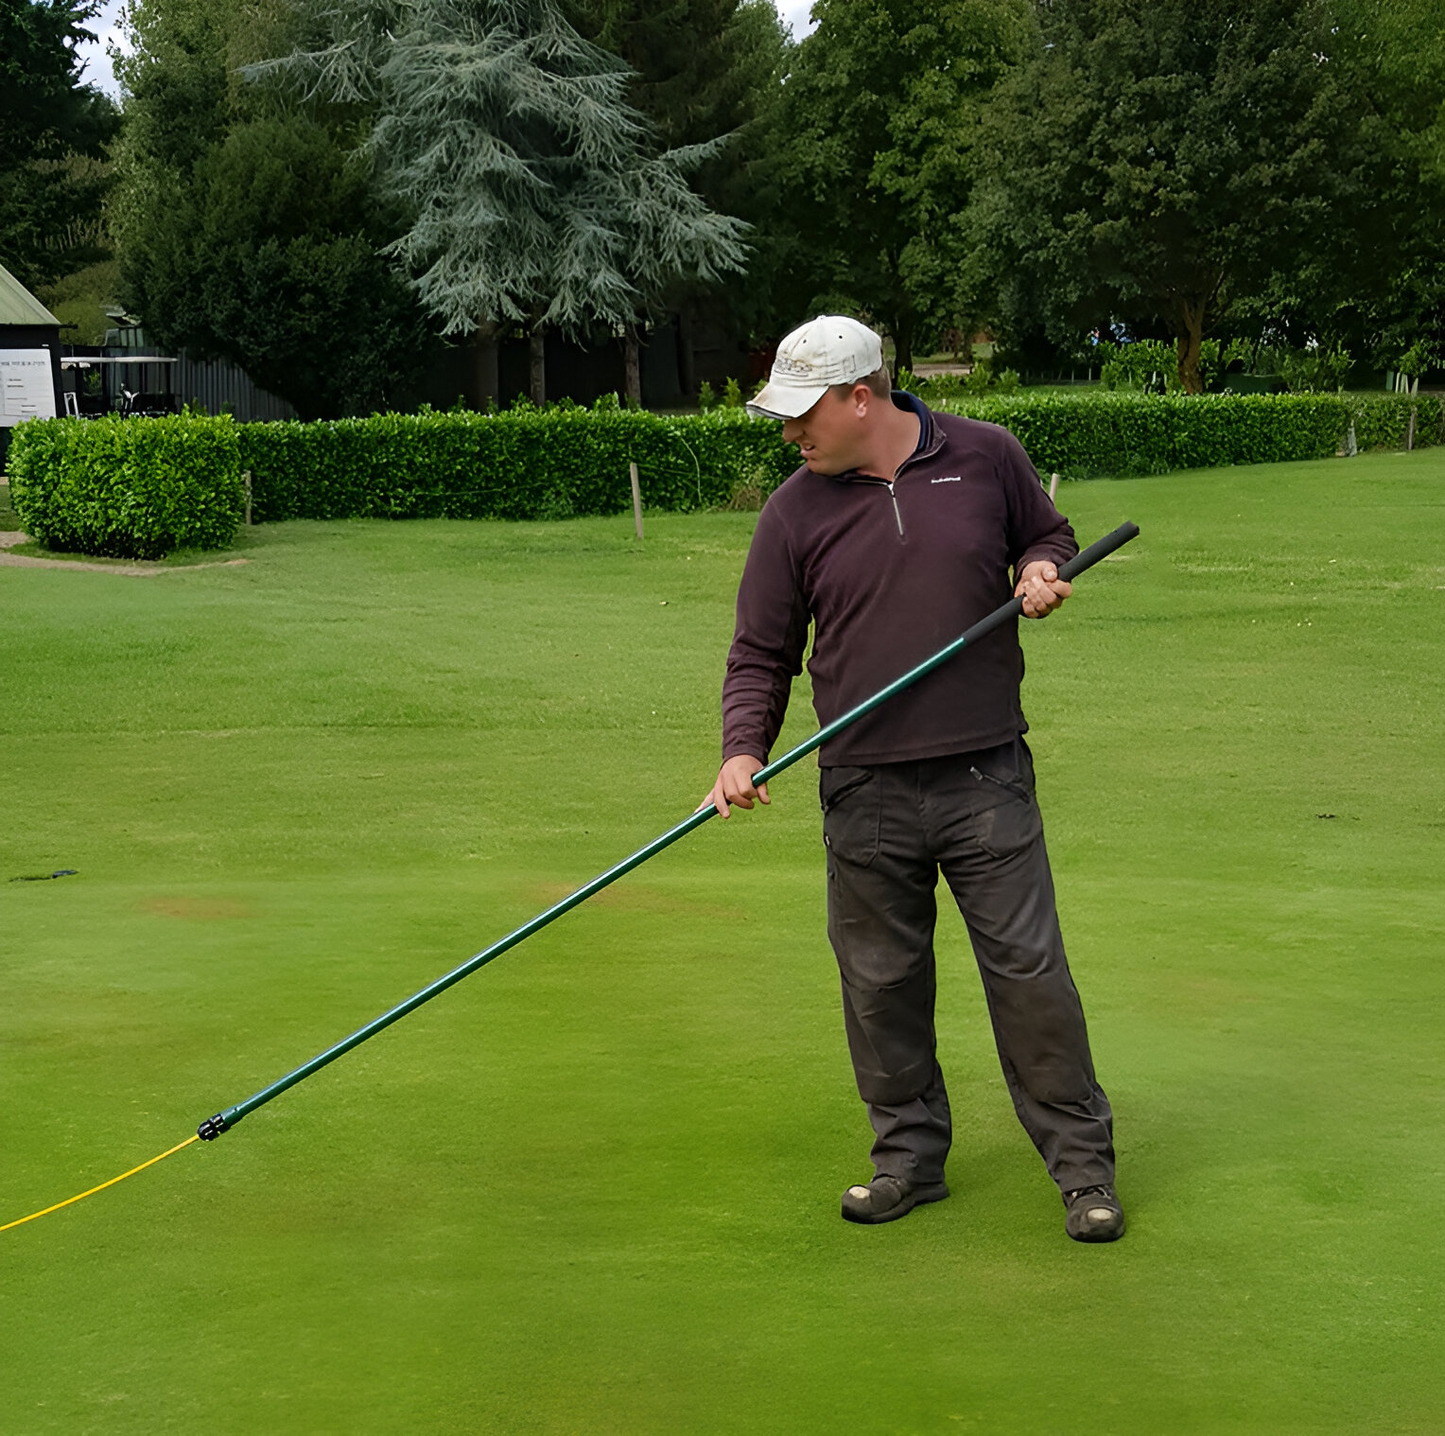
x,y
137,568
197,909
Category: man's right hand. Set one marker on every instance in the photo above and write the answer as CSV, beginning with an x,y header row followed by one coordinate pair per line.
x,y
735,784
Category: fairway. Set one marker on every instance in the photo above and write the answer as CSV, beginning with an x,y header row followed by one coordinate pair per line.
x,y
594,1188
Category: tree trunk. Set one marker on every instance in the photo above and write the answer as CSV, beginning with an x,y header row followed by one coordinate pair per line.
x,y
1190,326
537,364
686,359
902,346
632,365
486,382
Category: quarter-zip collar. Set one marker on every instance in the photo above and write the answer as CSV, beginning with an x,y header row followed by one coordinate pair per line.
x,y
930,442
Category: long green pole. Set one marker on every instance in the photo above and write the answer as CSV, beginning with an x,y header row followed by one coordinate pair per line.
x,y
212,1127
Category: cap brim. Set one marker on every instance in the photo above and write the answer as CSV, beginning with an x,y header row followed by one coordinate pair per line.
x,y
785,401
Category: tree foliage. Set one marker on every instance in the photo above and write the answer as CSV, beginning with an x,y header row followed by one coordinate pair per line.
x,y
1159,158
706,71
535,194
880,117
247,229
53,135
1379,287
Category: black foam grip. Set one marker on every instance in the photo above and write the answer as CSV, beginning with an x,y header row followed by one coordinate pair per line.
x,y
1101,548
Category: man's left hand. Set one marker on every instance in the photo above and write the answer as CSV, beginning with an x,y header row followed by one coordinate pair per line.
x,y
1041,588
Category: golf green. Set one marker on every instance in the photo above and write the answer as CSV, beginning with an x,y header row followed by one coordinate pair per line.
x,y
595,1187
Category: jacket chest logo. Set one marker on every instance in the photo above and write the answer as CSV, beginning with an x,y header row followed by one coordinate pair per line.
x,y
951,479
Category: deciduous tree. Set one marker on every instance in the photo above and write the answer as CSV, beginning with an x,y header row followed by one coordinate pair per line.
x,y
880,118
247,228
1160,158
53,135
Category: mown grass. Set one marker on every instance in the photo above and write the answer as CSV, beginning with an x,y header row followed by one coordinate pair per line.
x,y
594,1188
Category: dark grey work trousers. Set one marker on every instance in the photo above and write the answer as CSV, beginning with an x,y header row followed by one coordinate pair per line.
x,y
889,830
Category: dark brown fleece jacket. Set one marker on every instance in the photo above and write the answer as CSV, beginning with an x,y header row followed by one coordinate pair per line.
x,y
887,574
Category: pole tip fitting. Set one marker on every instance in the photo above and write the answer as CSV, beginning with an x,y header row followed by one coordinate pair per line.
x,y
211,1128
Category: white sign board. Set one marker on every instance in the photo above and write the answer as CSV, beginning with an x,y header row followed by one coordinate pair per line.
x,y
27,387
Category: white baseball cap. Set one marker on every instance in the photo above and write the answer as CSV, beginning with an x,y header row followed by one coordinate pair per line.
x,y
830,349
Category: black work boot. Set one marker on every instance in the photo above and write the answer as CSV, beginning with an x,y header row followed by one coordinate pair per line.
x,y
1093,1214
885,1199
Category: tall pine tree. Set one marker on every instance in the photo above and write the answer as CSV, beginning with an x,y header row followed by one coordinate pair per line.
x,y
536,193
707,70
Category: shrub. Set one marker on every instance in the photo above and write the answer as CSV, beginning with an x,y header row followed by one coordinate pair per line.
x,y
1308,371
938,390
1147,363
977,380
141,487
1092,435
523,464
128,488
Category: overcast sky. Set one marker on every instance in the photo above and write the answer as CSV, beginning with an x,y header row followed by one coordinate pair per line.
x,y
106,25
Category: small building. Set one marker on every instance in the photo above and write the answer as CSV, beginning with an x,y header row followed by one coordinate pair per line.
x,y
29,359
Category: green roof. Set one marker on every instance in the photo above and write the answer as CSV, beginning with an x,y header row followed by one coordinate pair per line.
x,y
18,305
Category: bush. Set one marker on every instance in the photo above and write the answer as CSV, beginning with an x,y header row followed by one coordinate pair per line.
x,y
1093,435
128,488
1148,363
1307,371
523,464
938,390
141,487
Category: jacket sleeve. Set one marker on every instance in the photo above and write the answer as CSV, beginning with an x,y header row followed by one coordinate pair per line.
x,y
1036,529
768,642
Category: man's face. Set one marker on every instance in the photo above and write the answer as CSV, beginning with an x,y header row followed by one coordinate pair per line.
x,y
831,433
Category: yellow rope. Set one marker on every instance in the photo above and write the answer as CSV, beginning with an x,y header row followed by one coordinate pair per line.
x,y
21,1222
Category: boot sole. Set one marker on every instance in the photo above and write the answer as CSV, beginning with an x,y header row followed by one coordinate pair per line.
x,y
919,1196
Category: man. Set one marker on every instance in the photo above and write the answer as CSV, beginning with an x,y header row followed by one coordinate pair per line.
x,y
902,528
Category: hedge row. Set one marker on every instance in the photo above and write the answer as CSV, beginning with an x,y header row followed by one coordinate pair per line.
x,y
140,487
127,488
565,462
522,464
1094,434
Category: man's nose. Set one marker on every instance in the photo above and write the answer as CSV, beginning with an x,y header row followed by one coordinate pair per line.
x,y
792,431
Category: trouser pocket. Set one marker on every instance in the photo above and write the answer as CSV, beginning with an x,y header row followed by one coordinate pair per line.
x,y
1011,821
852,812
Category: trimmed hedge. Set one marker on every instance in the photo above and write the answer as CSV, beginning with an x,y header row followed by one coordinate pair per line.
x,y
1094,434
522,464
127,488
141,487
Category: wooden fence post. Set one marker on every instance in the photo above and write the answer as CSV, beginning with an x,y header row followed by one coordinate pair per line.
x,y
636,498
1410,437
1053,487
247,477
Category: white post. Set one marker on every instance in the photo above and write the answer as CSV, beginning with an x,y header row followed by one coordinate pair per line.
x,y
1053,487
247,477
636,498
